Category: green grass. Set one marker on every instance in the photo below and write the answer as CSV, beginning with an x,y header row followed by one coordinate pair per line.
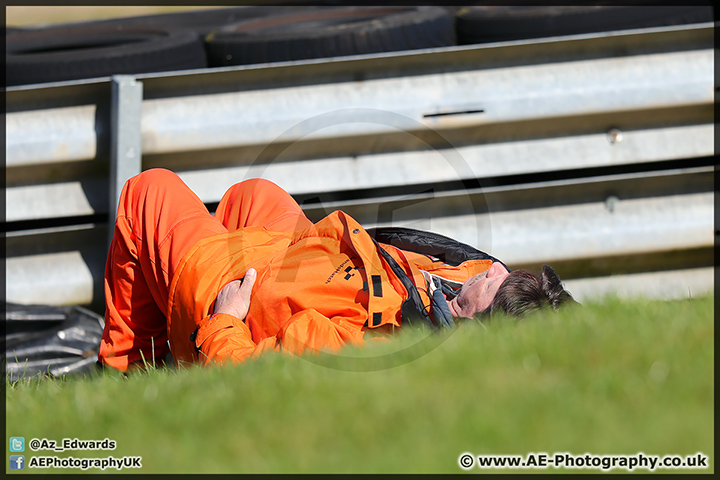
x,y
616,377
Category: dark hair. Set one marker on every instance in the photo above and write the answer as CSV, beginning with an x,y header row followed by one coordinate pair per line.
x,y
523,292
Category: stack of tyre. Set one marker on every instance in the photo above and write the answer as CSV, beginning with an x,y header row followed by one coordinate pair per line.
x,y
219,37
253,35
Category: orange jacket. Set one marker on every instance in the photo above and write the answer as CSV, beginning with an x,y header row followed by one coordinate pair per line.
x,y
316,289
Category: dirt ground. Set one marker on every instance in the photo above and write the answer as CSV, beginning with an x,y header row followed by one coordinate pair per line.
x,y
19,16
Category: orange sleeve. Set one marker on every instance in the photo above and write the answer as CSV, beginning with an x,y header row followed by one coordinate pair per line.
x,y
311,331
223,337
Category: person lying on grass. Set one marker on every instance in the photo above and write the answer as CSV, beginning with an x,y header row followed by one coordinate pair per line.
x,y
259,275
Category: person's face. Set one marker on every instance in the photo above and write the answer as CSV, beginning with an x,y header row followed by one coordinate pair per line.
x,y
478,292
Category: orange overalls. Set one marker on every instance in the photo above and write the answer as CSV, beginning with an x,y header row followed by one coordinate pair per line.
x,y
319,286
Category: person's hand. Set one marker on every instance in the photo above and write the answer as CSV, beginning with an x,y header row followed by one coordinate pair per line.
x,y
234,298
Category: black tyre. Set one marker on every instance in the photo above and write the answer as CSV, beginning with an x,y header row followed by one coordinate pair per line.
x,y
329,32
71,53
202,22
483,24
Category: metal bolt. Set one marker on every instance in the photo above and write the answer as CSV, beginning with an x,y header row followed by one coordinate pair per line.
x,y
610,203
614,135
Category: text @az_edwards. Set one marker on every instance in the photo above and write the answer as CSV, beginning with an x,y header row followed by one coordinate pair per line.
x,y
39,444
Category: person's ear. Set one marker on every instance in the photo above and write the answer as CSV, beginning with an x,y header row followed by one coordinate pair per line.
x,y
553,289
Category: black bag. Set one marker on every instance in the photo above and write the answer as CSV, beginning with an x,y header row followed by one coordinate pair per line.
x,y
53,340
446,249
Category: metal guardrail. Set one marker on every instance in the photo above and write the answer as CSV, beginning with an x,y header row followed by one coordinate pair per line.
x,y
592,152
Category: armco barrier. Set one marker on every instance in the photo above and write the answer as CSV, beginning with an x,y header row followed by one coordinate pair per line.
x,y
592,153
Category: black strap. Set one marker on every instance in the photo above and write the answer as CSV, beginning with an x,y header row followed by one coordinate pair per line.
x,y
441,311
449,291
412,310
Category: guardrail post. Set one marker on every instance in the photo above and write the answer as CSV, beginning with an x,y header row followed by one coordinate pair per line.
x,y
125,138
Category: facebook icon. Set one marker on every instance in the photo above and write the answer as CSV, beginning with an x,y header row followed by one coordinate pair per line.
x,y
17,462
